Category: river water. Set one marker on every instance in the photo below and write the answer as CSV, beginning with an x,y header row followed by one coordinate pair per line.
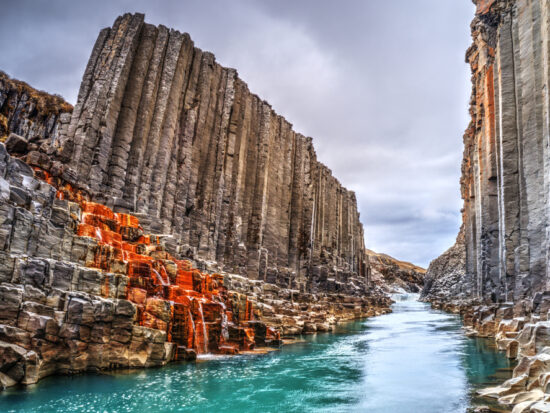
x,y
413,360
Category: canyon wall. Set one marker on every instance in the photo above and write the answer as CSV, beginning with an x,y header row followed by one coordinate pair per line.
x,y
170,213
162,131
497,273
505,169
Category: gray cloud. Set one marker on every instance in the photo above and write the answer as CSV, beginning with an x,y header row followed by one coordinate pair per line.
x,y
381,85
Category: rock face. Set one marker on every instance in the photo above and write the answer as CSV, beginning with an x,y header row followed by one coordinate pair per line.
x,y
393,275
505,170
162,131
33,115
171,213
445,276
497,274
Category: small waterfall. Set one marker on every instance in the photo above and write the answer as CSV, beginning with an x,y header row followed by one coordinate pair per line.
x,y
98,234
225,323
159,277
204,332
192,325
405,297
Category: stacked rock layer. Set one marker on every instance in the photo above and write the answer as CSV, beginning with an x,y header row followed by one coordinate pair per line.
x,y
83,288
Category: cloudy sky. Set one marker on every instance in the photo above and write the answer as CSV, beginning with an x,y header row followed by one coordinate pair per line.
x,y
380,85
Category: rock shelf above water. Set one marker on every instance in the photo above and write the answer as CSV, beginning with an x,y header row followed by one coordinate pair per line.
x,y
83,288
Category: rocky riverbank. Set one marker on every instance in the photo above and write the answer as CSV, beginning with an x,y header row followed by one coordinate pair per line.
x,y
522,330
86,289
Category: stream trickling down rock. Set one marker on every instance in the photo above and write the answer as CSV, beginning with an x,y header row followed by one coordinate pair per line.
x,y
413,360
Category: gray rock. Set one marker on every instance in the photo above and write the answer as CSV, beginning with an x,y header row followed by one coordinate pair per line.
x,y
16,144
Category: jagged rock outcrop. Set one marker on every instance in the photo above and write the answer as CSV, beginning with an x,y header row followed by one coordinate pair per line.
x,y
35,116
171,213
445,276
393,275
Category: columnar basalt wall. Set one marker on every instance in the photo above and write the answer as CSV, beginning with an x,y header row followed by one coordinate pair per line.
x,y
171,213
497,274
505,170
163,131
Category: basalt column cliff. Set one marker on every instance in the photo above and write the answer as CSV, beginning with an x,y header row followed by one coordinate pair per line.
x,y
505,170
497,273
163,131
170,213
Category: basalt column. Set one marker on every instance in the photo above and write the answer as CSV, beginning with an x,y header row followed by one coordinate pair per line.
x,y
505,171
161,130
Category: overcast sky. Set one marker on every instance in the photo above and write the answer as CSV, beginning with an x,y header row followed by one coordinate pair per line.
x,y
380,85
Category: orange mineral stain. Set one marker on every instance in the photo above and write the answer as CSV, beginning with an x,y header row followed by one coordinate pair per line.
x,y
192,307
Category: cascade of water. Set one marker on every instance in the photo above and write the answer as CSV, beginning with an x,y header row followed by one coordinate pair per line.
x,y
98,234
159,277
164,273
225,331
192,325
204,332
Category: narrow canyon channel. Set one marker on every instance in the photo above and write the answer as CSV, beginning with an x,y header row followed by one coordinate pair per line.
x,y
413,360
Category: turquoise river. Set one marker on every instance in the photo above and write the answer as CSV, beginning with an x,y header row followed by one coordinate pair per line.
x,y
413,360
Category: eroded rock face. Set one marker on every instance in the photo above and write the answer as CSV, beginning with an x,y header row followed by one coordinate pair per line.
x,y
123,225
32,115
445,276
393,275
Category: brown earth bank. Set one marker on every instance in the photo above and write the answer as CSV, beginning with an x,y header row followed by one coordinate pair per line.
x,y
496,275
170,213
395,276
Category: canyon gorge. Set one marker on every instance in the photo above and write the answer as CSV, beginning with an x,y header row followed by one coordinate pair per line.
x,y
173,214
